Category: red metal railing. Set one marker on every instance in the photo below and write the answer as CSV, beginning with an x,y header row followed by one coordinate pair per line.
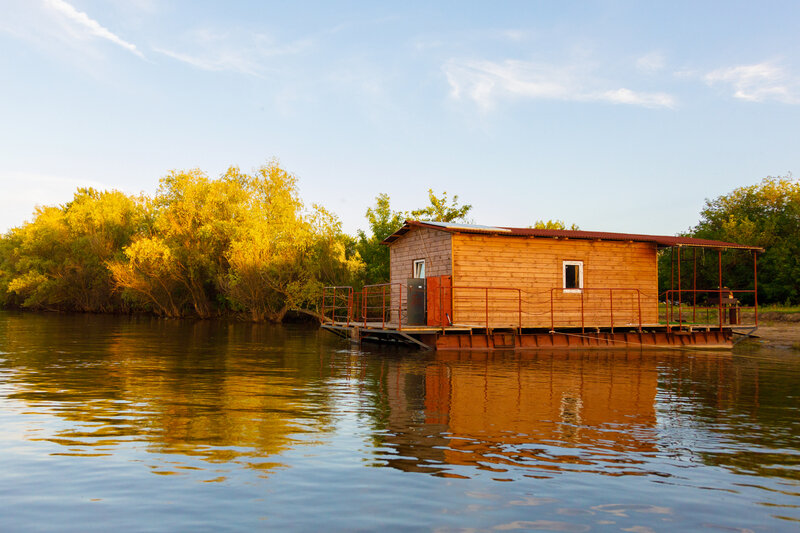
x,y
597,309
707,307
335,300
379,301
383,306
488,299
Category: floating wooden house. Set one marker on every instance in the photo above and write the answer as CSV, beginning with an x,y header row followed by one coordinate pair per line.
x,y
460,286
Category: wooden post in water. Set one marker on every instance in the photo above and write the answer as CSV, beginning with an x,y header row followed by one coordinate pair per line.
x,y
355,335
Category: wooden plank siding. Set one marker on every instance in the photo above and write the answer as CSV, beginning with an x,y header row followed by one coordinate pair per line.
x,y
535,266
434,246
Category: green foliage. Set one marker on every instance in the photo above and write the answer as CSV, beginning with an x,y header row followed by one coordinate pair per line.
x,y
382,223
765,215
440,211
553,224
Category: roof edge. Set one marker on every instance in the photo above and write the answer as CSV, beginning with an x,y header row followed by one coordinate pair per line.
x,y
662,241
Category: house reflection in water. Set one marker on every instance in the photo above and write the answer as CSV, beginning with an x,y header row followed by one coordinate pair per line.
x,y
543,411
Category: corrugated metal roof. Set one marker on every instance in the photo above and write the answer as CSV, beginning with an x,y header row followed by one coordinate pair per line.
x,y
660,240
461,227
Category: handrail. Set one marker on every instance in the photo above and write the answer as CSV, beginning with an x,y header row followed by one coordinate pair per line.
x,y
365,295
486,300
485,290
380,290
720,306
583,306
519,308
348,293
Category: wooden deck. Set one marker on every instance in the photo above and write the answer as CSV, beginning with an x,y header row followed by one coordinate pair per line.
x,y
477,337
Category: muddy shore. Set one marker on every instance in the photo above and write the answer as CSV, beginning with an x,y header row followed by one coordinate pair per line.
x,y
778,330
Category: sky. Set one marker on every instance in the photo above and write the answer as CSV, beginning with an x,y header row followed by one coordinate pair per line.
x,y
613,115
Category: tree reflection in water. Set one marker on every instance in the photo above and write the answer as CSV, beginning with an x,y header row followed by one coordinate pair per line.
x,y
220,393
216,392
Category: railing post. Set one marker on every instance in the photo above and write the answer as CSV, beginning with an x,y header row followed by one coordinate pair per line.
x,y
323,305
486,298
694,286
639,298
399,306
552,312
441,302
349,306
333,319
364,307
680,309
719,296
383,307
669,307
611,300
755,284
582,317
519,309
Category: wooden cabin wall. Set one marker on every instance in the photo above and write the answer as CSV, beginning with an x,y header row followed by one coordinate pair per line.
x,y
434,246
535,265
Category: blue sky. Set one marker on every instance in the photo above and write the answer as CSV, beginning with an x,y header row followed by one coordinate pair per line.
x,y
616,116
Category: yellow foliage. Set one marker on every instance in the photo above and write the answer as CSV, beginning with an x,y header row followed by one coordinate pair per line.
x,y
201,246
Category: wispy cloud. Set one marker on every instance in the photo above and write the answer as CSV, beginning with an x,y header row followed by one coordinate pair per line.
x,y
485,82
218,61
514,35
88,25
651,63
242,53
759,82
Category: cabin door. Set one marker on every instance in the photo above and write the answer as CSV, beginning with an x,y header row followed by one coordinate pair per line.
x,y
440,300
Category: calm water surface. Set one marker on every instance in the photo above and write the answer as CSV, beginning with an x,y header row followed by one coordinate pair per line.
x,y
110,423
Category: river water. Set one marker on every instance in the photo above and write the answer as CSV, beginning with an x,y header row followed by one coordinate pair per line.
x,y
140,424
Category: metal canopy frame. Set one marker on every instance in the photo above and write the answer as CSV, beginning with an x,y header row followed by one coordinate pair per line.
x,y
720,287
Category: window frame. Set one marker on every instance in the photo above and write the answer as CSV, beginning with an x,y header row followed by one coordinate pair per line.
x,y
579,288
414,265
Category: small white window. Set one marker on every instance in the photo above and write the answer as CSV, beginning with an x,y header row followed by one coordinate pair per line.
x,y
573,276
419,268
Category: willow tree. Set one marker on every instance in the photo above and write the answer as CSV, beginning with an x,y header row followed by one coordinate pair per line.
x,y
149,276
194,220
199,247
58,260
281,258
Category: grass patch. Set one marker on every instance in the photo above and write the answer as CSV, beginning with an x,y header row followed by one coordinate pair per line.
x,y
787,309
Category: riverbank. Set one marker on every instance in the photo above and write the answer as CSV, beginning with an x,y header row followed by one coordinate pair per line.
x,y
778,330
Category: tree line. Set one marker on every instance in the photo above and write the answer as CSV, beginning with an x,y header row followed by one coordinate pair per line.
x,y
246,245
242,244
767,215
